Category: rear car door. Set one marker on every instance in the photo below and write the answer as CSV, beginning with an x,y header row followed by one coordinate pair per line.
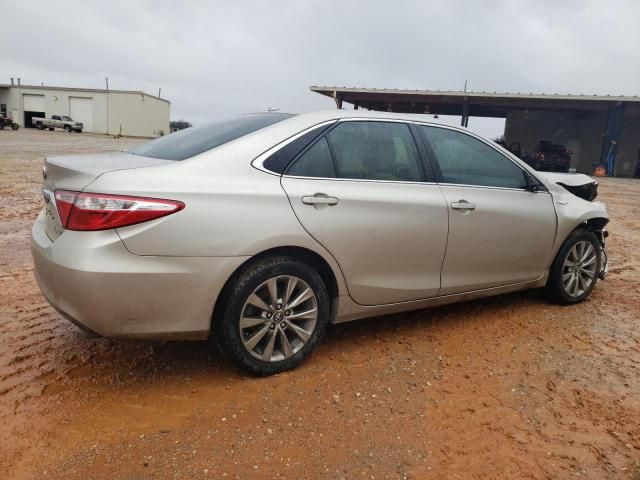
x,y
362,191
500,232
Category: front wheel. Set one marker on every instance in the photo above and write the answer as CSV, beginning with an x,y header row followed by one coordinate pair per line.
x,y
15,126
575,270
67,128
273,315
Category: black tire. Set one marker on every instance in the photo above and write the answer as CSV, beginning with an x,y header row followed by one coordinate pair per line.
x,y
51,129
67,128
2,126
78,130
226,326
40,126
15,126
556,291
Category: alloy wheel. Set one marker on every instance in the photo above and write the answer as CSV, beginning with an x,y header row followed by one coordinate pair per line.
x,y
579,268
278,318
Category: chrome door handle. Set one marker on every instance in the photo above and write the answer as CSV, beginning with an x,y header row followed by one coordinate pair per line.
x,y
463,205
319,199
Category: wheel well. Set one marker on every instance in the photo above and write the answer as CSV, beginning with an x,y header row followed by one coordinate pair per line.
x,y
593,225
596,224
305,255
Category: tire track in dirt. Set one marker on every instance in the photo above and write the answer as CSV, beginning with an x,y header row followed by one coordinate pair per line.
x,y
36,345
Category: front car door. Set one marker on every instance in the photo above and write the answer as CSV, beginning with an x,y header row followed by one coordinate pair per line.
x,y
500,233
362,191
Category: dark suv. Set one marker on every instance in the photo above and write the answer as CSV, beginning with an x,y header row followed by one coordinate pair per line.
x,y
550,157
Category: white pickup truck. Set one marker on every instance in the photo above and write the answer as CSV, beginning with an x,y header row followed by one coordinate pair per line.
x,y
57,121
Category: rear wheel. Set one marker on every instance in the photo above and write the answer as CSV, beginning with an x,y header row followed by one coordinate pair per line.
x,y
575,270
273,315
51,129
40,126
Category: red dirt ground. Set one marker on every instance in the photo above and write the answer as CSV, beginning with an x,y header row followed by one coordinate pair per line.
x,y
508,387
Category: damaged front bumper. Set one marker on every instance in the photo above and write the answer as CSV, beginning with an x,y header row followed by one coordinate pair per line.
x,y
604,258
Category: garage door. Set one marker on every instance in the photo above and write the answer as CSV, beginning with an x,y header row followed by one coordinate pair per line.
x,y
81,110
33,103
33,106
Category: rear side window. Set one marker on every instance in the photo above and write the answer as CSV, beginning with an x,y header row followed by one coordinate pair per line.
x,y
315,162
468,161
192,141
375,151
279,160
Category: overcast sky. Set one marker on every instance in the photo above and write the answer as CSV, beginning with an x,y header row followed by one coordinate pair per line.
x,y
213,59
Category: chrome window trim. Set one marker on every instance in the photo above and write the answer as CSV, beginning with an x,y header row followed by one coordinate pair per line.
x,y
466,185
368,180
258,162
486,187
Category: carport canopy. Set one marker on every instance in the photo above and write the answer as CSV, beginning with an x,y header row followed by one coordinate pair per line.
x,y
465,104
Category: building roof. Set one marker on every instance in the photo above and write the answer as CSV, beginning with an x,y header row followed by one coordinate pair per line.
x,y
72,89
484,104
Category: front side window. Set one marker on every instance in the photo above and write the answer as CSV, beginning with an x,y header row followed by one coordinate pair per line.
x,y
55,117
468,161
375,151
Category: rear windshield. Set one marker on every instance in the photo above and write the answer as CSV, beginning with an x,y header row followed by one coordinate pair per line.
x,y
195,140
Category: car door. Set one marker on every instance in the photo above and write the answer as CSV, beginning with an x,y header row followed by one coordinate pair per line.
x,y
361,190
500,231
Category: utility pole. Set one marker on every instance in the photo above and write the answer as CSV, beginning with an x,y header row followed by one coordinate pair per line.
x,y
464,121
106,81
21,104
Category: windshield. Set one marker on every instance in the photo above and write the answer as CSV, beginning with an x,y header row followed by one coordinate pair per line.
x,y
192,141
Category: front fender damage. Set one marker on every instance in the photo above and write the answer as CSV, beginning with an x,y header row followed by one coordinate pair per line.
x,y
573,196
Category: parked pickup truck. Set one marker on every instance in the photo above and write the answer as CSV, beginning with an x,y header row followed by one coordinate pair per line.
x,y
57,121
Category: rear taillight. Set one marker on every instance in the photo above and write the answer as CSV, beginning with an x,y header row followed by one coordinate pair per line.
x,y
101,211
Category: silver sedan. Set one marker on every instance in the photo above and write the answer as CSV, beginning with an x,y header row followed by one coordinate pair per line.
x,y
262,229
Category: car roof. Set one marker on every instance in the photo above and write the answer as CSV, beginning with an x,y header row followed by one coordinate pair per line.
x,y
308,119
325,115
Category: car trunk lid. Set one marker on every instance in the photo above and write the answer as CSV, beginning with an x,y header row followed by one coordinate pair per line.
x,y
75,172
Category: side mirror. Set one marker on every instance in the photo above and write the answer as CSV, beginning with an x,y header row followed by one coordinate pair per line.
x,y
532,184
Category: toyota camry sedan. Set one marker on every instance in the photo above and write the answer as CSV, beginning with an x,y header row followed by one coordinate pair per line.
x,y
261,230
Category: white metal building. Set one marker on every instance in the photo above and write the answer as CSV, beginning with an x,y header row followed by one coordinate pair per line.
x,y
128,112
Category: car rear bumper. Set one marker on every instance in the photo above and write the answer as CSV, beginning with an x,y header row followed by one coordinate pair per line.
x,y
93,280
